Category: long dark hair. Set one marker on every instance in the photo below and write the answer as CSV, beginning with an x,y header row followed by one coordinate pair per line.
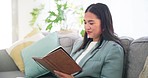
x,y
103,13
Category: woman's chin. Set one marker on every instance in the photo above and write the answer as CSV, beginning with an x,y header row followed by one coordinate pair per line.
x,y
90,37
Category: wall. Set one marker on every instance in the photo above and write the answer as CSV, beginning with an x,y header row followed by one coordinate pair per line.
x,y
130,17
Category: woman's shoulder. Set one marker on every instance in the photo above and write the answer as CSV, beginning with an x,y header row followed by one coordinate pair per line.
x,y
78,41
77,44
113,45
113,48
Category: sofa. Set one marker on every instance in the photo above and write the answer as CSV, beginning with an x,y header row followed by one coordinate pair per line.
x,y
136,51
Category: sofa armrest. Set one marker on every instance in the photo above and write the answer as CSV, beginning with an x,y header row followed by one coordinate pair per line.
x,y
6,62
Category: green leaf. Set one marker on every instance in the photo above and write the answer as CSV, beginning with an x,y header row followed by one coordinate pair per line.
x,y
52,13
82,32
49,27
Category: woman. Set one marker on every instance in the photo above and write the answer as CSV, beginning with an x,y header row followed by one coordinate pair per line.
x,y
100,55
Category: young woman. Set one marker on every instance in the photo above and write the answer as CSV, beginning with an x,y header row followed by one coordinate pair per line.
x,y
100,54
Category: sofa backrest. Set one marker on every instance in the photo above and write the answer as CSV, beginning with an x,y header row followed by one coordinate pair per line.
x,y
6,62
126,42
66,39
138,51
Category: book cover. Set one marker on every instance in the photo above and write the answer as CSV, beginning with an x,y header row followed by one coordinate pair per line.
x,y
58,60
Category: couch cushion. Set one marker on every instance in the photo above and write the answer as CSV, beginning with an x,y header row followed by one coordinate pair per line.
x,y
126,41
33,32
38,49
11,74
137,56
6,62
66,39
16,48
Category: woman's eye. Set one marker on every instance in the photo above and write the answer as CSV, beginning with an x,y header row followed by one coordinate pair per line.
x,y
91,23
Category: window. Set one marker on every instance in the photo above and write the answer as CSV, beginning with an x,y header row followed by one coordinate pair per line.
x,y
5,24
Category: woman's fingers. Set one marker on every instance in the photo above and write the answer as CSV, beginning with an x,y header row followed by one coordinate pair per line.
x,y
62,75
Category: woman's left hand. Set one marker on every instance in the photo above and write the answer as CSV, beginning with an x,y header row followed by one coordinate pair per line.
x,y
62,75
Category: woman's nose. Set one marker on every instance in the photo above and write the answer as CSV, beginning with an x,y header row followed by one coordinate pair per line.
x,y
87,27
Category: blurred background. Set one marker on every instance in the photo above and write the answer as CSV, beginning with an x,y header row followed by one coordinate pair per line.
x,y
18,17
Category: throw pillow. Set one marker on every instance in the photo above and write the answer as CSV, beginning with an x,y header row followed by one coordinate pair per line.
x,y
38,49
33,32
15,49
144,72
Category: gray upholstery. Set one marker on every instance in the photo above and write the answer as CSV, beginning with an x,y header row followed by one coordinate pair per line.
x,y
136,57
6,63
126,41
11,74
66,39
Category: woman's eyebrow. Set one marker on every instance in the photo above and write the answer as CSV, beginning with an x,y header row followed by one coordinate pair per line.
x,y
89,20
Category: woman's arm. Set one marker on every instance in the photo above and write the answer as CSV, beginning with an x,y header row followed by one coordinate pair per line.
x,y
113,66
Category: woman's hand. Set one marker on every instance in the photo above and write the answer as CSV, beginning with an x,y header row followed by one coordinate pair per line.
x,y
62,75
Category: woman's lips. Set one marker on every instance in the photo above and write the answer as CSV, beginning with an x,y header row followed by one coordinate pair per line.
x,y
88,32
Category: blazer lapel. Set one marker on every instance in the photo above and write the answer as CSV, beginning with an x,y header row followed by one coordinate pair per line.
x,y
77,54
88,56
83,61
91,53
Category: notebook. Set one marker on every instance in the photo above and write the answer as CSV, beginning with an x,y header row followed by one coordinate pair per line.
x,y
58,59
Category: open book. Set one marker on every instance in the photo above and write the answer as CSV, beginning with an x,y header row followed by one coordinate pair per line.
x,y
58,60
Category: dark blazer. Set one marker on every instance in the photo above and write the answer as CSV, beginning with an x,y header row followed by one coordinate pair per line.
x,y
104,62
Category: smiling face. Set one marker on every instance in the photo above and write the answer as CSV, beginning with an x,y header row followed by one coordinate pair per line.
x,y
92,26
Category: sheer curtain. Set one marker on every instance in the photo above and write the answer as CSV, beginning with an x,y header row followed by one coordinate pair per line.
x,y
5,24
